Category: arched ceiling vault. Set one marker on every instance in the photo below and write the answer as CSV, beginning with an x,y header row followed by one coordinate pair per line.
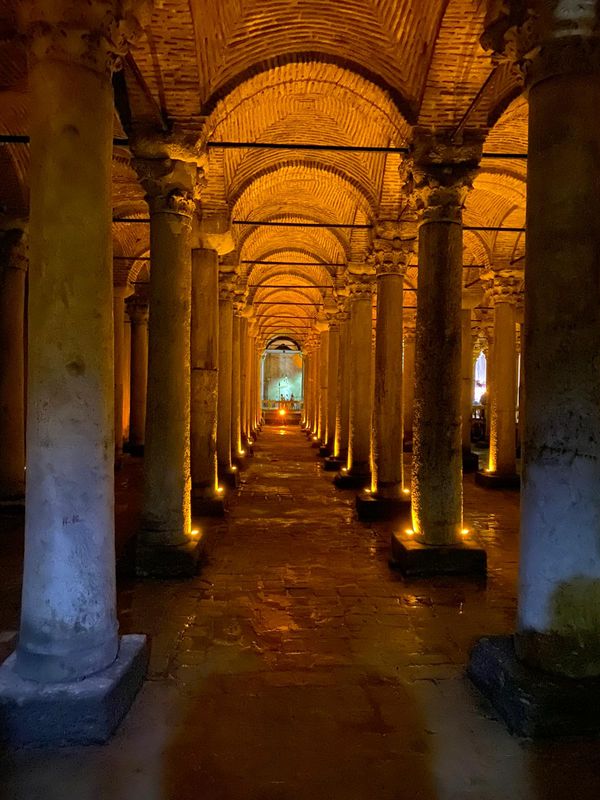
x,y
359,73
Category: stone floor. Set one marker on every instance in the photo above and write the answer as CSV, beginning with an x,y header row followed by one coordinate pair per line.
x,y
298,666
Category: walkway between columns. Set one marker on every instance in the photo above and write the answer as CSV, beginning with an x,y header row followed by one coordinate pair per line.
x,y
297,665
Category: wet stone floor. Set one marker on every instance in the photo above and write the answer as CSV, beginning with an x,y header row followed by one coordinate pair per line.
x,y
299,666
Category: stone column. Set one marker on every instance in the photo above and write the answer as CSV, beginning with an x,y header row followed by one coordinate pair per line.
x,y
165,545
314,391
236,388
305,381
119,295
251,382
127,378
470,460
408,389
69,625
13,271
502,399
323,381
243,384
343,400
225,382
332,385
391,254
204,382
137,309
441,175
558,627
358,472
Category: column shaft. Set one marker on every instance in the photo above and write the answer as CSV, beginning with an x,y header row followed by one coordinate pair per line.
x,y
467,380
138,313
503,398
332,385
437,446
204,388
359,438
225,381
408,388
236,408
12,366
119,362
68,616
323,384
387,459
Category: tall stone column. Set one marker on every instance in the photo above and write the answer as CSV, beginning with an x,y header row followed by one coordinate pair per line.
x,y
243,384
332,385
314,391
119,295
250,355
358,472
502,403
558,626
13,272
387,496
339,456
127,377
323,381
305,382
204,382
69,625
470,460
165,545
137,308
408,376
236,386
441,175
225,382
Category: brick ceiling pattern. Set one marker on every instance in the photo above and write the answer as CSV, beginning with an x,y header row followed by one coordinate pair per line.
x,y
351,72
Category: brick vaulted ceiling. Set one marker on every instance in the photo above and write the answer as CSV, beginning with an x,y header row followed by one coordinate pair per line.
x,y
351,72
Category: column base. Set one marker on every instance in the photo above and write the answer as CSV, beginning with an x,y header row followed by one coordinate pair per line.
x,y
333,464
79,713
205,504
493,480
470,461
352,480
136,450
169,561
324,451
371,508
230,477
407,447
412,557
530,702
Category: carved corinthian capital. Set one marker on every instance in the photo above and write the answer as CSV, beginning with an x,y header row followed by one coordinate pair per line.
x,y
171,186
91,33
503,286
392,249
438,174
542,38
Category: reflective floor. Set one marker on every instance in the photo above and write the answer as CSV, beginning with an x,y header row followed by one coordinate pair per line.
x,y
297,665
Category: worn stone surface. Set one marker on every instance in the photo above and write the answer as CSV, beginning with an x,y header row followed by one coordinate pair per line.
x,y
298,665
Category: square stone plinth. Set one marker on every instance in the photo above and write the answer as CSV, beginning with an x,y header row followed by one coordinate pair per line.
x,y
470,461
208,506
492,480
333,464
352,480
161,561
533,703
60,714
412,557
371,508
230,478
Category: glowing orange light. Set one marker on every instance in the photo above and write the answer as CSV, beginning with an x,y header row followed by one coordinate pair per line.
x,y
409,532
242,452
282,412
406,491
465,531
234,468
220,490
194,532
282,433
368,491
315,438
344,469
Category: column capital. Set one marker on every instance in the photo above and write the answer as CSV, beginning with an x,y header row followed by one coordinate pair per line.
x,y
409,326
541,38
503,286
171,185
438,174
392,249
94,34
227,281
360,285
138,310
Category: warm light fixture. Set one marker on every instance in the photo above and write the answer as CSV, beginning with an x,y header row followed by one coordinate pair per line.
x,y
220,490
368,491
282,412
282,433
315,438
234,468
344,469
465,531
406,491
194,532
409,532
242,452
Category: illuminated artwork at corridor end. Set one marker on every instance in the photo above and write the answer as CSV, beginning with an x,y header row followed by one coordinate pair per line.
x,y
282,378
